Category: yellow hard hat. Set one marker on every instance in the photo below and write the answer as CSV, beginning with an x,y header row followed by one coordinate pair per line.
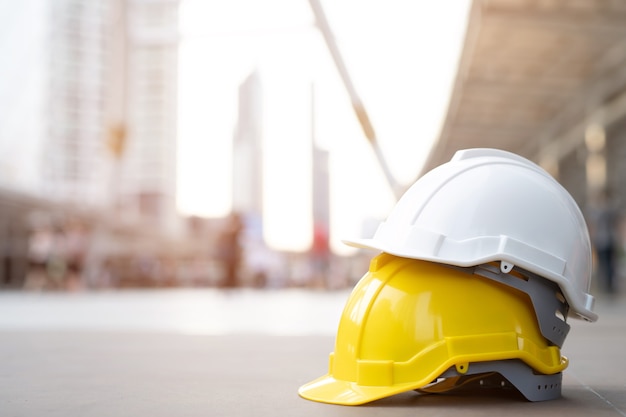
x,y
409,322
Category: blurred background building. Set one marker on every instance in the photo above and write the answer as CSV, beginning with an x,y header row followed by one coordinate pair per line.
x,y
148,59
89,123
92,103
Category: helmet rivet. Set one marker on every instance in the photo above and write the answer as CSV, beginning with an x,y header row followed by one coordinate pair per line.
x,y
506,267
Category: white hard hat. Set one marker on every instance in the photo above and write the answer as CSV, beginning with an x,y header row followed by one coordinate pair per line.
x,y
489,205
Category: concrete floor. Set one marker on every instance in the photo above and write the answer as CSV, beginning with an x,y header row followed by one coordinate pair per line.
x,y
161,353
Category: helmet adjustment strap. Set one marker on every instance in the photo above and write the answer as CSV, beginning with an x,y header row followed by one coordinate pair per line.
x,y
534,387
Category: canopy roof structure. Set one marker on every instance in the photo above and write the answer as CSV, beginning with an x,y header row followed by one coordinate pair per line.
x,y
533,75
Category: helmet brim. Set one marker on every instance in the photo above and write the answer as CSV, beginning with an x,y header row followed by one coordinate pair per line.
x,y
363,244
327,389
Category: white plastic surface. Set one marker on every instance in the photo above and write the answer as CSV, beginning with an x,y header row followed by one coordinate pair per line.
x,y
490,205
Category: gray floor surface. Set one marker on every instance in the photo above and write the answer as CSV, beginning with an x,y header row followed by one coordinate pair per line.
x,y
241,353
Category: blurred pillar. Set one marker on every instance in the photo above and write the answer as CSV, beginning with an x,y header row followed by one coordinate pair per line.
x,y
595,166
13,248
4,247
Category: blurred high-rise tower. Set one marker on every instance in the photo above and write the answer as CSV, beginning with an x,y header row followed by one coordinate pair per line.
x,y
52,98
248,149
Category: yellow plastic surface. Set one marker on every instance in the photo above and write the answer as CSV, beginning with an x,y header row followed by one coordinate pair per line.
x,y
407,321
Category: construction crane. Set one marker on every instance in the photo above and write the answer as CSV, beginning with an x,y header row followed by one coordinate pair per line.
x,y
357,103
